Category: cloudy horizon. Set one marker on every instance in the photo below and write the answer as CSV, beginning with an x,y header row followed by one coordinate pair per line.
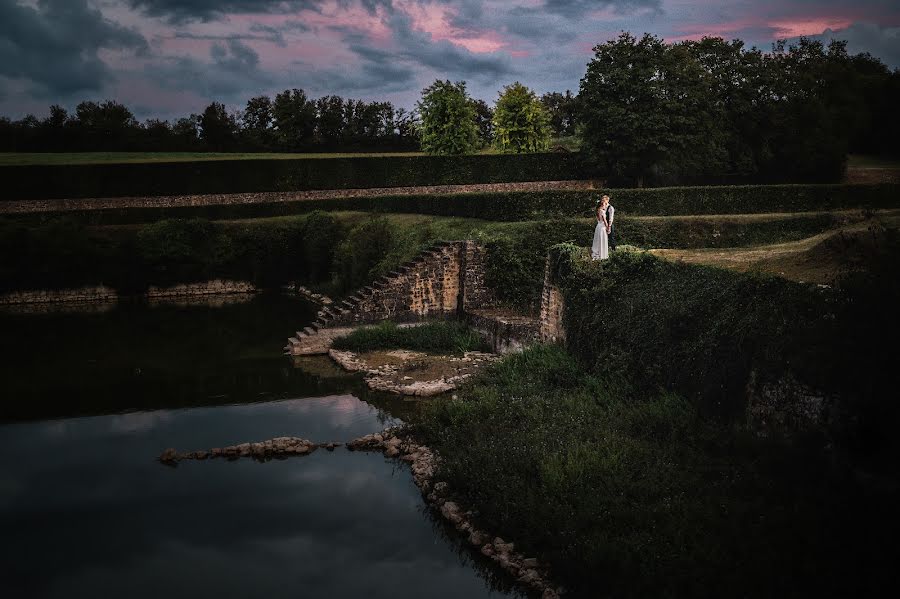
x,y
169,58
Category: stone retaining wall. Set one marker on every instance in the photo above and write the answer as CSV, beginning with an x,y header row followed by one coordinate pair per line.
x,y
101,293
234,199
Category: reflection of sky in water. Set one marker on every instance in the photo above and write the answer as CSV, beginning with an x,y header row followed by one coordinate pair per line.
x,y
92,513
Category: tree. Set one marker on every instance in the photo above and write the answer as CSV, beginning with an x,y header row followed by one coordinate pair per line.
x,y
562,109
484,120
330,123
646,109
448,119
257,121
295,119
217,128
521,123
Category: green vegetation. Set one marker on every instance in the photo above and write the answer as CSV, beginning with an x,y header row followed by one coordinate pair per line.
x,y
521,123
431,337
644,495
339,251
636,466
662,113
448,119
36,182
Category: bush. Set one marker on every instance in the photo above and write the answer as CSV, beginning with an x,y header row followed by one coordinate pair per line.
x,y
177,250
432,337
38,182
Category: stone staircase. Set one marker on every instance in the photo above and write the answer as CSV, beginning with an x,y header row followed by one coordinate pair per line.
x,y
443,280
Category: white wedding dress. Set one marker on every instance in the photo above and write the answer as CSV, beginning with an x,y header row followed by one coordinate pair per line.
x,y
600,246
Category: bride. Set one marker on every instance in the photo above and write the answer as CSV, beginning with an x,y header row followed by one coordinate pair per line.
x,y
600,246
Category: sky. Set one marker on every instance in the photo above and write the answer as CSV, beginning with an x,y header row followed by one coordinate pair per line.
x,y
169,58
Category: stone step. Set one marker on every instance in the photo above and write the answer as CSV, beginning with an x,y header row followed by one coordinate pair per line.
x,y
309,331
293,341
348,304
318,325
299,334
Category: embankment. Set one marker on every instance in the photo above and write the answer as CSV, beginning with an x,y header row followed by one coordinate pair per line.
x,y
708,433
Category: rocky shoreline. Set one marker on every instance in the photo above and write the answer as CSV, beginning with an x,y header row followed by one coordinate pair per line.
x,y
404,372
398,444
279,447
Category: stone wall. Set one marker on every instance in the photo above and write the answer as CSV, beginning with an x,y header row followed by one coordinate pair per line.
x,y
445,280
97,293
552,306
272,197
101,293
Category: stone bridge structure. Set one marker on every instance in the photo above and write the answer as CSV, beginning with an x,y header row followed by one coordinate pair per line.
x,y
445,281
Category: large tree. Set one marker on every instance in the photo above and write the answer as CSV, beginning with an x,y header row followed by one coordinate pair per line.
x,y
294,117
447,119
521,123
562,109
218,129
646,109
484,120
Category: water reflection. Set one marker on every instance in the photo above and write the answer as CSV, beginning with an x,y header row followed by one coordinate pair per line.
x,y
86,510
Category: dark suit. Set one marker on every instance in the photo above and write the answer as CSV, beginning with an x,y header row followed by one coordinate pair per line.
x,y
610,212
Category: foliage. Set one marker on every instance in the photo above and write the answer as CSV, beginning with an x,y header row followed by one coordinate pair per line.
x,y
433,337
644,104
563,112
23,182
484,120
217,128
363,250
521,124
448,119
643,496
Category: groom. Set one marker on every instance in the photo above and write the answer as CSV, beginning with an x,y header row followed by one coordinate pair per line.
x,y
610,215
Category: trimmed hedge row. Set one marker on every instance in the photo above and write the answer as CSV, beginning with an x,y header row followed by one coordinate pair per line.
x,y
38,182
537,205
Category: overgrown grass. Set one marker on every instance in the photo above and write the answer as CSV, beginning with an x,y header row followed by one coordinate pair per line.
x,y
644,496
439,337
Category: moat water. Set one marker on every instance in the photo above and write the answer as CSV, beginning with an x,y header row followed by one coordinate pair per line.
x,y
90,400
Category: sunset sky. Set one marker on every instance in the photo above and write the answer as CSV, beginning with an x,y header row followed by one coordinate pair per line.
x,y
167,58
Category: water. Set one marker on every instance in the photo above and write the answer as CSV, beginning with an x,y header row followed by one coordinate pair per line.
x,y
85,509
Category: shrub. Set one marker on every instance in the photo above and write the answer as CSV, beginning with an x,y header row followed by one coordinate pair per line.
x,y
177,249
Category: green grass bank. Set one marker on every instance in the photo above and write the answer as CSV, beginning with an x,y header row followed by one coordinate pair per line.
x,y
631,464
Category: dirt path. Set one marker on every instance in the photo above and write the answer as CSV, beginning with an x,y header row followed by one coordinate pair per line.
x,y
817,259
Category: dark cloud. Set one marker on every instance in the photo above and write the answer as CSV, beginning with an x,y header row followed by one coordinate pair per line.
x,y
54,45
446,58
232,71
578,8
182,11
881,42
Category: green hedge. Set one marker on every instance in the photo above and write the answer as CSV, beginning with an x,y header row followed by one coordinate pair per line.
x,y
37,182
522,205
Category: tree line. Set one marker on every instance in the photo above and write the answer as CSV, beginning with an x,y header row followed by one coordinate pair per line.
x,y
644,109
699,109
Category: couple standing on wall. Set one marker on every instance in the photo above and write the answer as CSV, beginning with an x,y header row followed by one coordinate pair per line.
x,y
603,232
